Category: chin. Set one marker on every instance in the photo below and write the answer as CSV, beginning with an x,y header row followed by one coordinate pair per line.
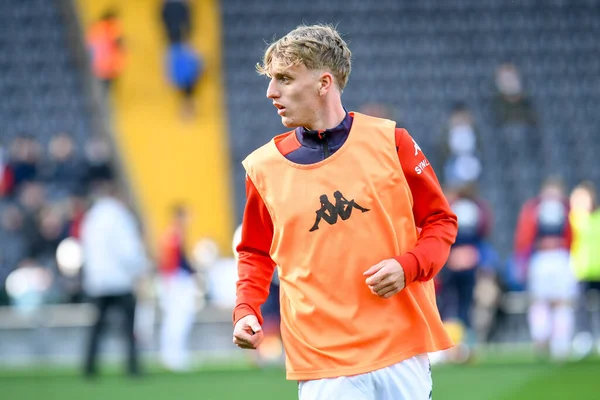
x,y
288,123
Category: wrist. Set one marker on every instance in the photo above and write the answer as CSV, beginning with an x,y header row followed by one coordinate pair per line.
x,y
410,266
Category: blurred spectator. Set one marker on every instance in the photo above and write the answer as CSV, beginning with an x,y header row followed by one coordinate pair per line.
x,y
49,233
31,200
24,159
114,260
69,256
177,292
63,170
511,104
460,152
467,257
14,245
585,256
221,276
585,219
27,287
185,67
76,208
542,244
106,45
175,16
98,161
6,175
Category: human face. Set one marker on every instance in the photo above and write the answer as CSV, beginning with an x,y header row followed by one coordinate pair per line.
x,y
552,191
295,94
581,200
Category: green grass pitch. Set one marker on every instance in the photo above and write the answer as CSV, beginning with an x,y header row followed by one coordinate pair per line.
x,y
486,380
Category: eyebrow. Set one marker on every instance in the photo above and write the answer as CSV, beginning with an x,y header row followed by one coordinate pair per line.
x,y
279,75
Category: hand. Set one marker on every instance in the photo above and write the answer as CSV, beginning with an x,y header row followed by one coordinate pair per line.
x,y
386,278
247,333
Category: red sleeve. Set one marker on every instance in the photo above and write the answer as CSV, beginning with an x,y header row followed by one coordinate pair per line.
x,y
526,230
568,235
6,181
169,254
433,216
255,266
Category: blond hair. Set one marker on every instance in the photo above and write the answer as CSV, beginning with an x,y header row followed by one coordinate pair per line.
x,y
316,46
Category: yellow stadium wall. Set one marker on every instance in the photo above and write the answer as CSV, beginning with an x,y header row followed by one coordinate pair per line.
x,y
168,160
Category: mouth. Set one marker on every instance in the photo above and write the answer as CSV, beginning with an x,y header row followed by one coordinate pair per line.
x,y
280,108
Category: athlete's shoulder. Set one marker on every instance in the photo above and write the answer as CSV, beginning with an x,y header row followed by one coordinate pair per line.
x,y
383,127
287,142
405,141
269,149
399,134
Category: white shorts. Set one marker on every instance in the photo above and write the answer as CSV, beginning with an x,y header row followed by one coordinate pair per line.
x,y
550,276
407,380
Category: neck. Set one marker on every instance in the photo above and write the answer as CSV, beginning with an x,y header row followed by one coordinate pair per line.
x,y
329,117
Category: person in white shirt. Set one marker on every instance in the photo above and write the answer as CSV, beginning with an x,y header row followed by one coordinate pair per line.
x,y
114,259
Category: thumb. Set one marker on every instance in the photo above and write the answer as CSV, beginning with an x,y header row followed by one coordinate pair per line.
x,y
255,326
372,270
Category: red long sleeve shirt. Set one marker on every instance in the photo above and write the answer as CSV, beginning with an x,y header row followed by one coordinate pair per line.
x,y
433,216
528,231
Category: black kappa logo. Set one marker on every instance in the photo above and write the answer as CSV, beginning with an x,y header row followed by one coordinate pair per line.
x,y
330,212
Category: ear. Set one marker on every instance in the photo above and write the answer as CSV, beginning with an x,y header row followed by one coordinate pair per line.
x,y
325,83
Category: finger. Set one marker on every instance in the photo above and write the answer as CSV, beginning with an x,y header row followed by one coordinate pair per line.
x,y
243,343
257,340
245,346
255,326
252,340
243,336
238,342
391,293
377,290
391,290
378,277
384,284
373,269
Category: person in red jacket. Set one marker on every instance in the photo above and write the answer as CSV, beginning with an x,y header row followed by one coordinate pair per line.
x,y
177,292
542,246
106,47
350,211
465,264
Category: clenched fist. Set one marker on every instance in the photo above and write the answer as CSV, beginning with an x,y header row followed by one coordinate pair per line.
x,y
386,278
247,333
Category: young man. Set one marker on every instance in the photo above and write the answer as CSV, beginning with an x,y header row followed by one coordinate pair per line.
x,y
115,260
469,261
542,248
177,292
350,211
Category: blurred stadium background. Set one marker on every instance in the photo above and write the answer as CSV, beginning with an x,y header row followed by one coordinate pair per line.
x,y
418,62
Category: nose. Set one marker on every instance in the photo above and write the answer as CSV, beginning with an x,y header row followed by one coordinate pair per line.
x,y
272,92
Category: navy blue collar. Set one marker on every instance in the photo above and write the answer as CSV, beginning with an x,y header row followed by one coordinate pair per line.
x,y
334,136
